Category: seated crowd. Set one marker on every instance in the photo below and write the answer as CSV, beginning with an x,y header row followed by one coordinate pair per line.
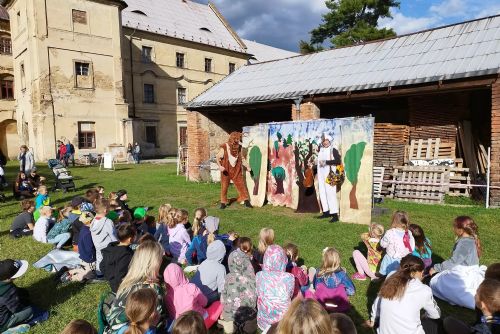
x,y
168,275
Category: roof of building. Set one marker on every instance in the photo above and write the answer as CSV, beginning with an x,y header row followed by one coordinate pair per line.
x,y
262,52
468,49
182,19
4,15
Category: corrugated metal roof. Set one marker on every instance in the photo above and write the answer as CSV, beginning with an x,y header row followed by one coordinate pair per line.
x,y
463,50
262,52
186,20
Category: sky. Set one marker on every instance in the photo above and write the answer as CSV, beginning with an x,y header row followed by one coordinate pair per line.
x,y
283,23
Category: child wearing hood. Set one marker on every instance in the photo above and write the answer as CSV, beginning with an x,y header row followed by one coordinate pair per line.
x,y
182,296
102,230
274,287
211,273
239,293
178,237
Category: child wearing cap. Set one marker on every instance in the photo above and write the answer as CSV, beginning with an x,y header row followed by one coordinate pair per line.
x,y
24,223
102,230
86,250
15,309
117,256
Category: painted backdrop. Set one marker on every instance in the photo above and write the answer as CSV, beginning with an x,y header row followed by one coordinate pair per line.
x,y
255,144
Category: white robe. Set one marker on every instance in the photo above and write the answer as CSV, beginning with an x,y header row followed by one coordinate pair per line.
x,y
327,193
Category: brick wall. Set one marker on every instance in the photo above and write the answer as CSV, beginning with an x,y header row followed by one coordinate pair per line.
x,y
433,116
495,144
198,143
307,111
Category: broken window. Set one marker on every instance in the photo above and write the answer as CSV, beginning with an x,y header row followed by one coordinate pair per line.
x,y
79,16
83,75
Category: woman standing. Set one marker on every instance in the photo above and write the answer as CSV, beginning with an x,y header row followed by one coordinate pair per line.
x,y
26,160
137,153
130,153
328,159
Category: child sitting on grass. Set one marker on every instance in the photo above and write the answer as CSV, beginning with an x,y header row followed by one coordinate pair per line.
x,y
141,312
59,233
300,275
397,241
117,256
43,224
367,266
24,223
423,247
102,230
266,238
79,326
178,236
331,284
161,234
190,322
86,250
15,309
42,197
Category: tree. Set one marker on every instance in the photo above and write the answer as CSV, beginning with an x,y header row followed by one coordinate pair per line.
x,y
255,161
351,22
279,175
352,162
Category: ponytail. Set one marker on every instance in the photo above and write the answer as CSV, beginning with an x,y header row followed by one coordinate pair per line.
x,y
394,287
468,225
133,328
141,305
210,238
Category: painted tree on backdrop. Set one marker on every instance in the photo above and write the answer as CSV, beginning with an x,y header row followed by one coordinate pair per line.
x,y
350,22
308,201
255,161
352,162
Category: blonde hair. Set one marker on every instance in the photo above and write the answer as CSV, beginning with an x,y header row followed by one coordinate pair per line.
x,y
112,196
197,222
330,262
266,238
292,251
400,219
141,306
145,265
171,218
376,230
45,211
79,326
182,216
163,213
305,316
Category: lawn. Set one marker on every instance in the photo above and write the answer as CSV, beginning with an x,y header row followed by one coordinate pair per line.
x,y
152,185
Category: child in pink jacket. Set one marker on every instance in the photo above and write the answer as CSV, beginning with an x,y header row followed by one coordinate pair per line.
x,y
182,296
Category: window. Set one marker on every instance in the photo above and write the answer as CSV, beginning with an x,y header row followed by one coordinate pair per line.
x,y
151,134
149,93
208,65
181,96
79,16
7,88
5,46
86,135
23,76
179,59
83,75
146,54
183,136
232,67
82,68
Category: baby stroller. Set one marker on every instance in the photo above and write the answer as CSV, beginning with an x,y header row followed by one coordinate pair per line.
x,y
64,180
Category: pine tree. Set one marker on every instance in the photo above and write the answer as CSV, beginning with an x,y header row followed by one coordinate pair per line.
x,y
350,22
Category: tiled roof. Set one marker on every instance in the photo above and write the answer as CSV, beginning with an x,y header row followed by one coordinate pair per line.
x,y
262,52
457,51
182,19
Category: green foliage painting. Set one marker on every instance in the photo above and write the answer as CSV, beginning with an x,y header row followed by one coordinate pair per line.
x,y
277,145
352,162
279,175
255,161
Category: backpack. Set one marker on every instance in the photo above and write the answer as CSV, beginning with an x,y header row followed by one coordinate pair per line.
x,y
105,304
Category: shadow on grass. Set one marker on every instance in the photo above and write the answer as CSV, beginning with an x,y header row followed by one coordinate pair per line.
x,y
46,294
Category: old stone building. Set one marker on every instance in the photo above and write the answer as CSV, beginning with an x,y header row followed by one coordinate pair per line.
x,y
9,143
105,73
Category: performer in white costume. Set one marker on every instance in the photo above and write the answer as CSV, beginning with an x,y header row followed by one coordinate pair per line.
x,y
328,159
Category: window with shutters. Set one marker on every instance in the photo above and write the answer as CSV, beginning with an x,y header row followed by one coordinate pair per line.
x,y
79,16
86,135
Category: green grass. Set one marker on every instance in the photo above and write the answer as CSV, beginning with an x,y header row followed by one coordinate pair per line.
x,y
152,185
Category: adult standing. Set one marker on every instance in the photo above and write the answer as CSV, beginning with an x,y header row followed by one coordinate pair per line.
x,y
26,160
62,153
137,153
328,159
70,154
130,153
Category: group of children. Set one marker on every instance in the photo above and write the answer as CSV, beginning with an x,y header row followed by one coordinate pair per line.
x,y
246,288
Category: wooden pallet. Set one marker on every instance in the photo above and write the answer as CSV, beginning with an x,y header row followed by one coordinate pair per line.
x,y
430,149
378,178
420,184
458,177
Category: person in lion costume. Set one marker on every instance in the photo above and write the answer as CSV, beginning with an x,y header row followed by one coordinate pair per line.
x,y
231,165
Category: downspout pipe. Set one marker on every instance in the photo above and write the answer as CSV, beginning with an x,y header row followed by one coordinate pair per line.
x,y
132,73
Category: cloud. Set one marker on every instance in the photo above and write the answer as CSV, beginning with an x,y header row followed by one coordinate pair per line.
x,y
450,8
406,24
280,23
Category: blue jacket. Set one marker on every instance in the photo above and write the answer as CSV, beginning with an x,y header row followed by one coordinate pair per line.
x,y
161,235
199,245
86,246
334,280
